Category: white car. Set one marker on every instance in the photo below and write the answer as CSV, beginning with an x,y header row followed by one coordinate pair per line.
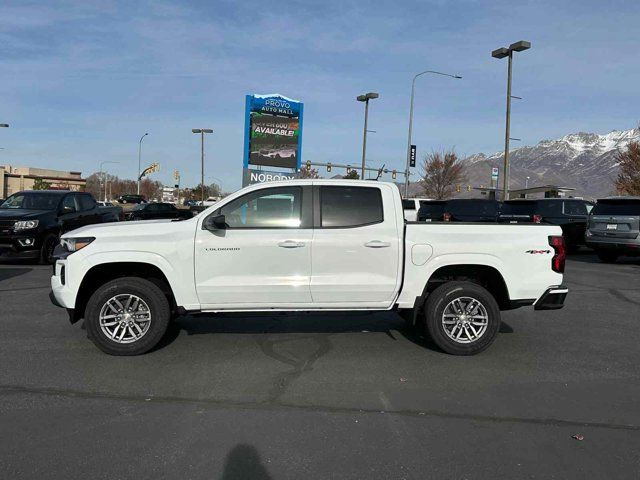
x,y
411,207
209,201
304,245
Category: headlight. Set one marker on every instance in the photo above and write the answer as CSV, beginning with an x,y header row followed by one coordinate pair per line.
x,y
75,244
25,225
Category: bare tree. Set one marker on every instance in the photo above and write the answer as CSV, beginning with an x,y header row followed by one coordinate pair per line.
x,y
628,181
441,172
309,172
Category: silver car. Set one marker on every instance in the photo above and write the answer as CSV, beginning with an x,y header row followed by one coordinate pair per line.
x,y
614,228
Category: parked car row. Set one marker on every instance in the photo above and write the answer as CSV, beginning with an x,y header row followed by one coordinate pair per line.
x,y
611,227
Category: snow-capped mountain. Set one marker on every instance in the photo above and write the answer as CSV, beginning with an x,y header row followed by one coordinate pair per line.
x,y
585,161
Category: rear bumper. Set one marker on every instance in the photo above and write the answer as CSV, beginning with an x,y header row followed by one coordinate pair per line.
x,y
631,245
552,298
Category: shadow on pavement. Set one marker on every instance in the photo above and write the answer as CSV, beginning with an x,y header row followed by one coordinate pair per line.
x,y
7,273
309,323
243,463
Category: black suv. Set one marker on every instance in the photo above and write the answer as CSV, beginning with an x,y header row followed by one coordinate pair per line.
x,y
153,211
32,221
459,210
131,198
570,214
431,210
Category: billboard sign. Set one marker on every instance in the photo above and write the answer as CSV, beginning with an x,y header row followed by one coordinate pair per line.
x,y
273,131
252,175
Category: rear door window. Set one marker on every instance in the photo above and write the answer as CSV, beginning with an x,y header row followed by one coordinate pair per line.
x,y
350,206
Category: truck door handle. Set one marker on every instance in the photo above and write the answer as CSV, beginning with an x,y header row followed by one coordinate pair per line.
x,y
377,244
291,244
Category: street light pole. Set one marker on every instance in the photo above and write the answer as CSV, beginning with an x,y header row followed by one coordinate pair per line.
x,y
365,98
502,53
104,177
413,88
202,131
139,159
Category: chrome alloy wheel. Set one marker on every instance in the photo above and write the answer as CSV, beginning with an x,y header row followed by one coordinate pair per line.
x,y
125,318
465,320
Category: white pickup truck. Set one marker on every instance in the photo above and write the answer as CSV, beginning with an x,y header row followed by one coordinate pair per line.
x,y
306,245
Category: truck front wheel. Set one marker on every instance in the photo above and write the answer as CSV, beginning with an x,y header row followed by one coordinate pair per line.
x,y
462,318
127,316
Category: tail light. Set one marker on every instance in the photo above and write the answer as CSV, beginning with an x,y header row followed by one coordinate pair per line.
x,y
560,255
446,216
537,218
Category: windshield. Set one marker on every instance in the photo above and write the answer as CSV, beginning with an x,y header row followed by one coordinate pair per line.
x,y
32,201
617,207
139,206
518,208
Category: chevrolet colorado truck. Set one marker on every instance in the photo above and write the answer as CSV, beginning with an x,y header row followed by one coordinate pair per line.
x,y
306,245
32,221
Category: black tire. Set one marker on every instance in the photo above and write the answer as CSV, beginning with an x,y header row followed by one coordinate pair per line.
x,y
607,256
441,297
148,292
46,250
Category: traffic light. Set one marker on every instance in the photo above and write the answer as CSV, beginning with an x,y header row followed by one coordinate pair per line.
x,y
328,167
394,174
458,188
468,188
176,174
348,169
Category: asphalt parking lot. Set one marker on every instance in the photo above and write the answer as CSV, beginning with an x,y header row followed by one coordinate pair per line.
x,y
326,396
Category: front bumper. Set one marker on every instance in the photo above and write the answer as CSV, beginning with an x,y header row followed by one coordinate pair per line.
x,y
62,295
552,298
20,246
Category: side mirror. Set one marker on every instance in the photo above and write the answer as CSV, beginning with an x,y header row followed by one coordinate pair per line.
x,y
215,222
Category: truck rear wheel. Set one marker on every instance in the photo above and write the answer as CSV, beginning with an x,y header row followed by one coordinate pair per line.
x,y
127,316
462,318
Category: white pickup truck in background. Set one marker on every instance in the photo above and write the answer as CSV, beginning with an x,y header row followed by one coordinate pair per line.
x,y
306,245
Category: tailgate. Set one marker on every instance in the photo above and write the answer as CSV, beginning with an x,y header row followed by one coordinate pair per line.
x,y
614,226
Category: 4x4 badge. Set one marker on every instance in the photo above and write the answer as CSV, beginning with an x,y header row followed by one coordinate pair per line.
x,y
535,252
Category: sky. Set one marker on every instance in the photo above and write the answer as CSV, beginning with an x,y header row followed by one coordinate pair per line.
x,y
80,82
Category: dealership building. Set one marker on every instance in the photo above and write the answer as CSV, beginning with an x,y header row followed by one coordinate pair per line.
x,y
14,179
